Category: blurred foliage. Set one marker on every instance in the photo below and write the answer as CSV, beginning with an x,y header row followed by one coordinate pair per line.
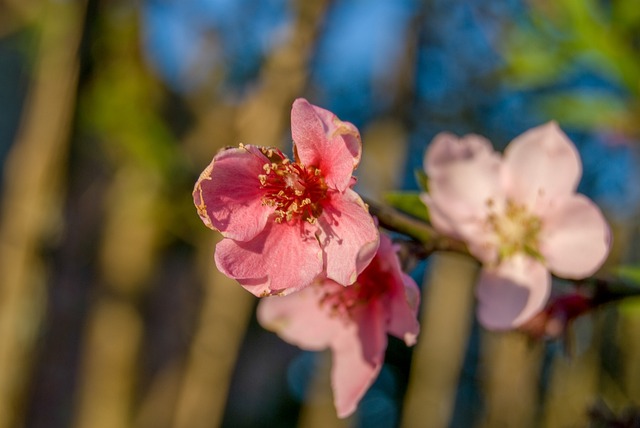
x,y
629,273
559,40
125,109
123,102
630,276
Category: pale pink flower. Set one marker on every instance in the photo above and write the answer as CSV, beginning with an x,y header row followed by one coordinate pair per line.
x,y
519,214
287,222
352,321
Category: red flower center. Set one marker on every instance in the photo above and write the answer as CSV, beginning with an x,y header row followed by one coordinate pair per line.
x,y
295,191
373,283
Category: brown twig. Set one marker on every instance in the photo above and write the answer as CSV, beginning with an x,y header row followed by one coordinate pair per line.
x,y
426,238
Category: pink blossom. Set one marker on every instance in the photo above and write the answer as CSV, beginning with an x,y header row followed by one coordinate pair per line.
x,y
352,321
519,214
286,222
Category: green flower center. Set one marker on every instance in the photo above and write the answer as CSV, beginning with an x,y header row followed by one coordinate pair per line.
x,y
517,231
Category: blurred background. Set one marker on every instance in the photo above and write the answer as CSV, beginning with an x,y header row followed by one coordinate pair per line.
x,y
112,313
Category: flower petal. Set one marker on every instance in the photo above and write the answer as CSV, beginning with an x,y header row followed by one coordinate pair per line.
x,y
466,187
325,142
575,238
542,164
512,293
402,297
447,148
349,236
481,240
403,310
300,318
439,219
358,354
228,195
282,259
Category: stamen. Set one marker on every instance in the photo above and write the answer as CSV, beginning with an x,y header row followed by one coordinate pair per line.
x,y
344,300
516,229
297,191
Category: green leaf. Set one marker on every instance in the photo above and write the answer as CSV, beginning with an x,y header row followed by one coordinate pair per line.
x,y
409,203
630,275
421,179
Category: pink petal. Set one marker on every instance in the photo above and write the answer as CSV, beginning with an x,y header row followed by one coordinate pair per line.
x,y
402,299
403,310
439,219
282,259
228,195
358,354
463,193
468,188
325,142
512,293
480,240
300,319
349,236
446,148
542,164
576,238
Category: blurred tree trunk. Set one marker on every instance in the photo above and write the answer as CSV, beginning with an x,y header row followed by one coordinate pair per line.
x,y
511,379
223,321
121,105
572,390
445,325
629,343
627,252
110,369
32,198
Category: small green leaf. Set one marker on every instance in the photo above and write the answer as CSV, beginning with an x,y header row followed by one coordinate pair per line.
x,y
422,179
409,203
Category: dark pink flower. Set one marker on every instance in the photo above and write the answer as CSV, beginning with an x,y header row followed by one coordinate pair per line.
x,y
352,321
519,214
287,222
